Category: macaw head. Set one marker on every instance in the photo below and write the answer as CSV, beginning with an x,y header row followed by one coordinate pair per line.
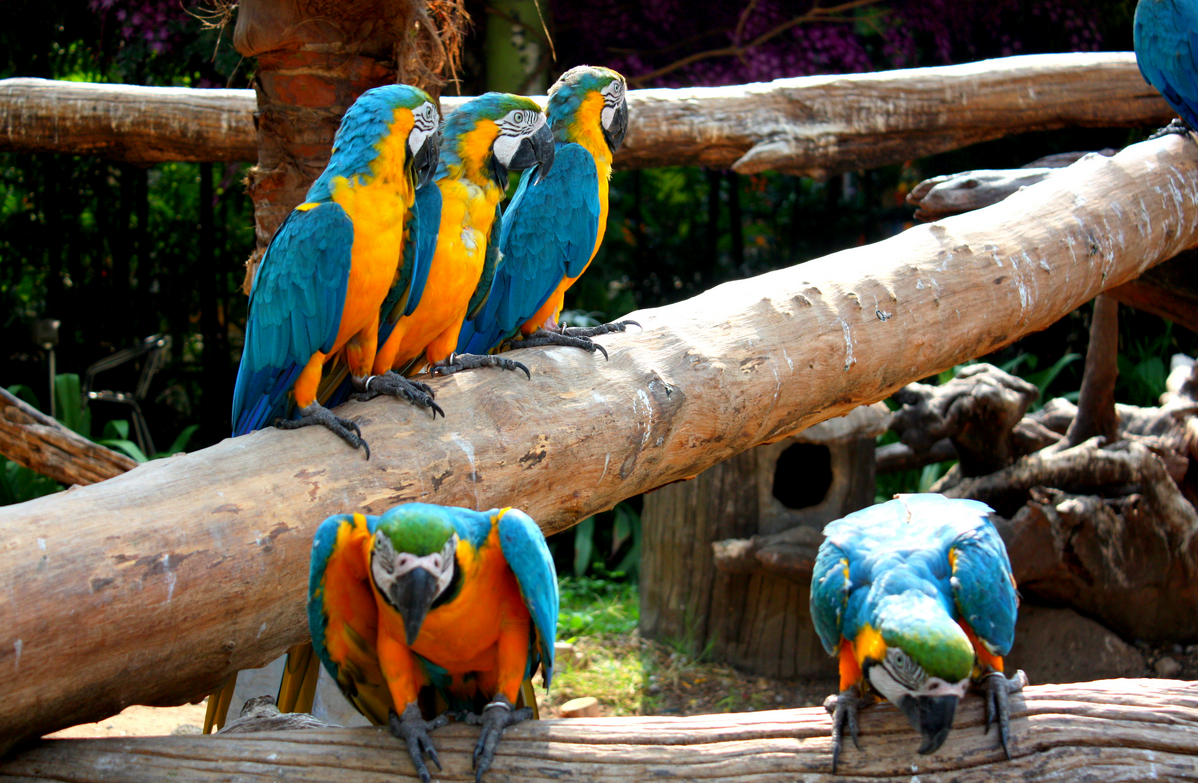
x,y
586,96
413,561
921,663
389,131
493,134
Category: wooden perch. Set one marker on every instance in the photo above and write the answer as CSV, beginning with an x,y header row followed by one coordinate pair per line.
x,y
1113,730
816,126
152,587
31,438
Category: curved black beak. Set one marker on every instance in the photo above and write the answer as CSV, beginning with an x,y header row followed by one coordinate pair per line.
x,y
536,150
614,136
412,594
932,716
424,162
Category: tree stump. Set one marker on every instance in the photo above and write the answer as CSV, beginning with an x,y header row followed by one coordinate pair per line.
x,y
727,557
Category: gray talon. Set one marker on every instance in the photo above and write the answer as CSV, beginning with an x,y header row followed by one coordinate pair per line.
x,y
414,730
316,413
996,689
497,716
470,361
396,385
844,710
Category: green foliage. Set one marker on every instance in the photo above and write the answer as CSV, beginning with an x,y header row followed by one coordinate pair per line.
x,y
593,606
619,532
1144,365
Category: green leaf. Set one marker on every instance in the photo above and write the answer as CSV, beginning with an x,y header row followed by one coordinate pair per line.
x,y
69,404
117,429
25,394
127,446
181,440
584,544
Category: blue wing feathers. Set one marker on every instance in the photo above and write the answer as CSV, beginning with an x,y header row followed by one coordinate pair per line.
x,y
547,234
529,558
295,310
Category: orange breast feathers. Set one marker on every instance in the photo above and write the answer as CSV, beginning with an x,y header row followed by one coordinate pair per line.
x,y
484,629
467,214
377,206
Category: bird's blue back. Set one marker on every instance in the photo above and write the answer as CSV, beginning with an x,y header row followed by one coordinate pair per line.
x,y
1167,48
904,546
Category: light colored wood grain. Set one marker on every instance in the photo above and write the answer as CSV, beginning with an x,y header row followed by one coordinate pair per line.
x,y
816,125
154,586
1114,730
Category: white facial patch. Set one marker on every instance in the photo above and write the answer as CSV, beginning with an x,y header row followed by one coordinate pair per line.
x,y
613,97
387,565
900,676
515,126
424,125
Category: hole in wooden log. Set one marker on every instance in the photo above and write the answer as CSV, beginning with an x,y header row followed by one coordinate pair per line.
x,y
802,475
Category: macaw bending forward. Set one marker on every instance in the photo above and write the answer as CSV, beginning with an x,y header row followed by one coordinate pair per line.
x,y
481,141
917,597
1167,45
325,275
550,233
431,601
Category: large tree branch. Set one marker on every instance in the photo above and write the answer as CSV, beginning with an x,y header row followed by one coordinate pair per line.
x,y
37,441
1112,730
196,566
818,125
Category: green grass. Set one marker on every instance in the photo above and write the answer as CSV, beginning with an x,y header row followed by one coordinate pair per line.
x,y
592,606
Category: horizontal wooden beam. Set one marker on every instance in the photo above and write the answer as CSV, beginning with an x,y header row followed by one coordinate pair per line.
x,y
1114,730
816,125
152,587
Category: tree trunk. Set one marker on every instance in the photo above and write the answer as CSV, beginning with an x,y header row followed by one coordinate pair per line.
x,y
815,125
1113,730
314,60
154,586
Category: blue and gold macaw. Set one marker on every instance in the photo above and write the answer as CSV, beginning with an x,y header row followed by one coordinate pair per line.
x,y
917,597
480,142
325,275
550,233
428,607
1166,41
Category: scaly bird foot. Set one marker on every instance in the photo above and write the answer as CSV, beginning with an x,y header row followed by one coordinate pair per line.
x,y
574,336
470,361
497,716
315,413
596,331
395,385
843,707
414,730
1176,126
996,689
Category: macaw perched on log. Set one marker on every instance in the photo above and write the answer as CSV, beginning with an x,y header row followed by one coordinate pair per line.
x,y
550,233
324,277
427,607
480,142
917,597
1165,39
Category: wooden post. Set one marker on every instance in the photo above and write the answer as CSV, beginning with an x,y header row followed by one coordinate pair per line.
x,y
1114,730
154,586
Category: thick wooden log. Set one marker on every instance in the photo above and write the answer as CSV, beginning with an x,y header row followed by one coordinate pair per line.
x,y
127,122
154,586
37,441
1113,730
816,126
